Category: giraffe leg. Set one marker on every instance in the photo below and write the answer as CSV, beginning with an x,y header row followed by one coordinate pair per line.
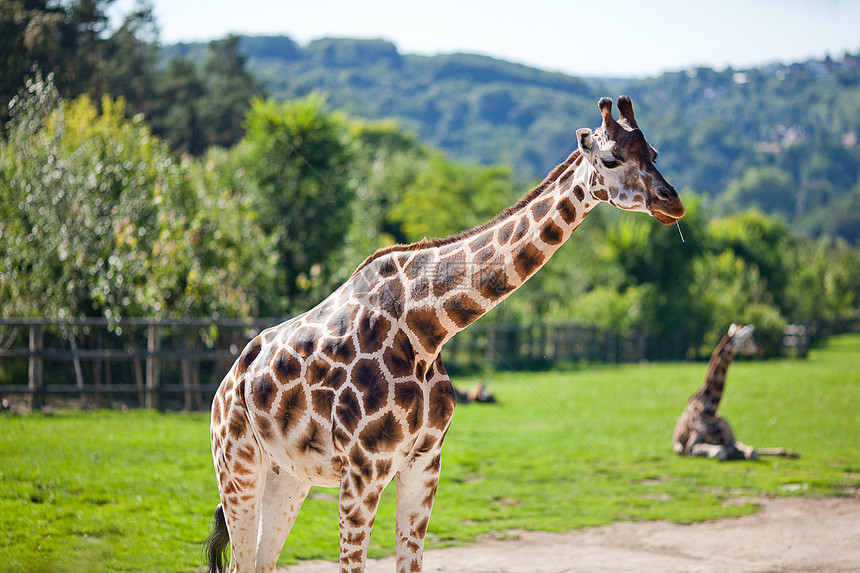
x,y
359,499
416,491
241,479
282,499
710,451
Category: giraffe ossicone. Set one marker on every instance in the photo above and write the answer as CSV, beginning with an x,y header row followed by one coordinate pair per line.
x,y
353,394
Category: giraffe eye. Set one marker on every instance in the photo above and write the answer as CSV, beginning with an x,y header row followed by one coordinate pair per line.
x,y
610,162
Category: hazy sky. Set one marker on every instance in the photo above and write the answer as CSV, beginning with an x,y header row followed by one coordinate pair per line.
x,y
594,38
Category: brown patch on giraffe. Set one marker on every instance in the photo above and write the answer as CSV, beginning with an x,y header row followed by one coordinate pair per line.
x,y
540,209
435,464
354,537
247,453
422,525
462,310
370,383
228,385
348,410
450,273
286,367
383,467
371,500
317,371
480,241
339,349
237,425
410,397
485,255
291,409
601,194
248,355
322,399
420,288
335,379
372,330
342,321
528,259
313,440
341,440
387,267
391,298
419,369
551,234
264,429
355,519
360,462
522,228
567,209
491,282
382,434
304,341
426,444
579,193
418,265
442,402
505,232
426,326
263,392
399,358
216,411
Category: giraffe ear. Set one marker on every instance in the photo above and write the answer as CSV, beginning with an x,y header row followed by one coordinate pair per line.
x,y
585,141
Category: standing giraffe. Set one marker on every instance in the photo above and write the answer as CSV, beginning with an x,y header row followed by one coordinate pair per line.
x,y
353,394
700,430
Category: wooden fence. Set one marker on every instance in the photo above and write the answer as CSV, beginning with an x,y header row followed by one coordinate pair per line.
x,y
173,364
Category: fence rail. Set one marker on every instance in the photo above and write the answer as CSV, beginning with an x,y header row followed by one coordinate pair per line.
x,y
178,363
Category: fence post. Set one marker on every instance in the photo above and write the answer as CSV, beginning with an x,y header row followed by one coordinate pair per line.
x,y
35,374
153,366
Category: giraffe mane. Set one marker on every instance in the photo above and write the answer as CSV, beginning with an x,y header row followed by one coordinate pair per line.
x,y
426,243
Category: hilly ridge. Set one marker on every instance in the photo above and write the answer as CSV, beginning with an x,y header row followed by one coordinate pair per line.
x,y
730,133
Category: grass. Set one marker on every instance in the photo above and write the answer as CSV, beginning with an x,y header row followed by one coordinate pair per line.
x,y
113,491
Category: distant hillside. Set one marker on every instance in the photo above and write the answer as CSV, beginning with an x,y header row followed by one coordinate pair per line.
x,y
719,132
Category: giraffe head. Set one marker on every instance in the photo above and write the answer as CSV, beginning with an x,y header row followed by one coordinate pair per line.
x,y
742,339
623,162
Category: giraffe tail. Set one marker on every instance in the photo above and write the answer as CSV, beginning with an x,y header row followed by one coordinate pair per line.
x,y
215,546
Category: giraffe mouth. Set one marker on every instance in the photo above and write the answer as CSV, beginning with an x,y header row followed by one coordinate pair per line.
x,y
667,213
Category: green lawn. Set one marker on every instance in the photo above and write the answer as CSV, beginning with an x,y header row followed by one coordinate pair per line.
x,y
107,491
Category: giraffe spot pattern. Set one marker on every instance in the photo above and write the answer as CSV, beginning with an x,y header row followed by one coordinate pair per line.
x,y
601,194
305,341
410,397
371,384
361,463
426,326
450,272
313,440
505,232
348,410
399,358
579,193
567,210
481,241
322,399
339,349
492,283
248,355
442,401
485,255
540,209
263,392
462,310
291,409
420,289
387,267
418,265
551,234
342,321
527,260
264,428
391,298
522,228
286,367
317,371
382,435
372,330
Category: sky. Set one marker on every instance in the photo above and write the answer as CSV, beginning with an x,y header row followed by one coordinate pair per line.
x,y
599,38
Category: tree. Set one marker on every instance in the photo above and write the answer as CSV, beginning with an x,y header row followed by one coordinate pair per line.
x,y
299,163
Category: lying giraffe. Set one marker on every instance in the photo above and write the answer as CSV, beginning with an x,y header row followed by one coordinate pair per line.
x,y
700,430
353,394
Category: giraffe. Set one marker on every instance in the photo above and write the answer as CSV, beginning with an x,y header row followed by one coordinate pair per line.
x,y
353,394
700,430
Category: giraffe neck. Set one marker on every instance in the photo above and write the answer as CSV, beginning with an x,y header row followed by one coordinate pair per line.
x,y
711,391
438,287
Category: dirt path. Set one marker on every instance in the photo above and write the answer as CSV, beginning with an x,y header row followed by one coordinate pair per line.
x,y
794,534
